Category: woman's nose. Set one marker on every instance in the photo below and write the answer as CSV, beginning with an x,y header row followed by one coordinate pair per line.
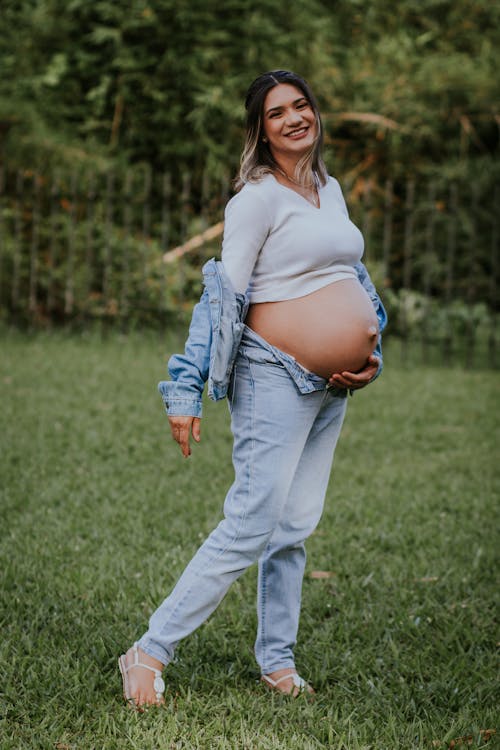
x,y
293,118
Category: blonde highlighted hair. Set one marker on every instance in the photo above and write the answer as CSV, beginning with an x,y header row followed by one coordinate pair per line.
x,y
256,158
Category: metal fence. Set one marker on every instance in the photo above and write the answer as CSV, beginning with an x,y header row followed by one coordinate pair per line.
x,y
84,246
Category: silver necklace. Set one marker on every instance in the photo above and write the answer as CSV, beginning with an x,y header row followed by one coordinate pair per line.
x,y
313,196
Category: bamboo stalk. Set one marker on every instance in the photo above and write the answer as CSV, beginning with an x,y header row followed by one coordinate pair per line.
x,y
370,117
194,243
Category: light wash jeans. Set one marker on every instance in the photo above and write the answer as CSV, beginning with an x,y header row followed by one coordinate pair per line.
x,y
284,442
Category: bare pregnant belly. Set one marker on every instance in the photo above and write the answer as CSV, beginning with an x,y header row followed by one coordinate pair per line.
x,y
331,330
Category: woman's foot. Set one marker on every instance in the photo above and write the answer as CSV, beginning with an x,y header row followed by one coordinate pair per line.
x,y
287,681
142,681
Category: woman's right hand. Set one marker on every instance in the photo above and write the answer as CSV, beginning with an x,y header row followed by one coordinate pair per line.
x,y
182,428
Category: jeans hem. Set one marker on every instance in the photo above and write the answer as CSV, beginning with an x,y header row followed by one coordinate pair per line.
x,y
289,664
155,651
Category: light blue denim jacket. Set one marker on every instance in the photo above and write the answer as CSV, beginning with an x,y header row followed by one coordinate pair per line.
x,y
215,333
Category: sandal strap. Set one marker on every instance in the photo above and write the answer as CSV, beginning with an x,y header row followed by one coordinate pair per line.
x,y
159,683
297,680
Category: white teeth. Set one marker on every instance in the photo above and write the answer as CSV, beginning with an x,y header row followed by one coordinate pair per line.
x,y
298,132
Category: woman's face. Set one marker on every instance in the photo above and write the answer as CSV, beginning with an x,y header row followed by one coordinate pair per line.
x,y
289,123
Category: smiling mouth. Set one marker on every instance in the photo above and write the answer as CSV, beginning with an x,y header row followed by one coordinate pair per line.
x,y
297,133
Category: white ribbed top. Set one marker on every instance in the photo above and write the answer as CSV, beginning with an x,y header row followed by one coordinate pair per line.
x,y
278,246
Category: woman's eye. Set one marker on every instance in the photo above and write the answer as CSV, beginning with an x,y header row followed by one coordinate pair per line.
x,y
302,105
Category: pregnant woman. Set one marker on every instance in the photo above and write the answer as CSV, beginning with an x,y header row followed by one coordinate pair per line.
x,y
288,323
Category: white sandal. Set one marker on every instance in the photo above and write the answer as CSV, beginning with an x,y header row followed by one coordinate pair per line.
x,y
298,682
158,685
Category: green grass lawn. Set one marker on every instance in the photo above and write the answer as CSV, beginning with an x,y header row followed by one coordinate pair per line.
x,y
99,514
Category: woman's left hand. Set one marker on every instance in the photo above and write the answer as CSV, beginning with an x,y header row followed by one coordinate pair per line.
x,y
356,380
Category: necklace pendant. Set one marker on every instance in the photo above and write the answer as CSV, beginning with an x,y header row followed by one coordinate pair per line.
x,y
312,197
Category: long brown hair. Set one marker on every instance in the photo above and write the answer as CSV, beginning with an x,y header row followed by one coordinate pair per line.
x,y
256,158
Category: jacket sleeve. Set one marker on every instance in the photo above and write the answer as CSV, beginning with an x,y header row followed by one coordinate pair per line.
x,y
182,395
367,283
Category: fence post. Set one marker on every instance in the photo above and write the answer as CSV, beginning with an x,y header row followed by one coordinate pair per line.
x,y
35,234
387,240
428,260
366,204
450,264
54,205
225,189
494,277
165,228
407,258
204,202
185,210
108,252
69,293
146,225
89,238
2,243
127,228
18,234
471,288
